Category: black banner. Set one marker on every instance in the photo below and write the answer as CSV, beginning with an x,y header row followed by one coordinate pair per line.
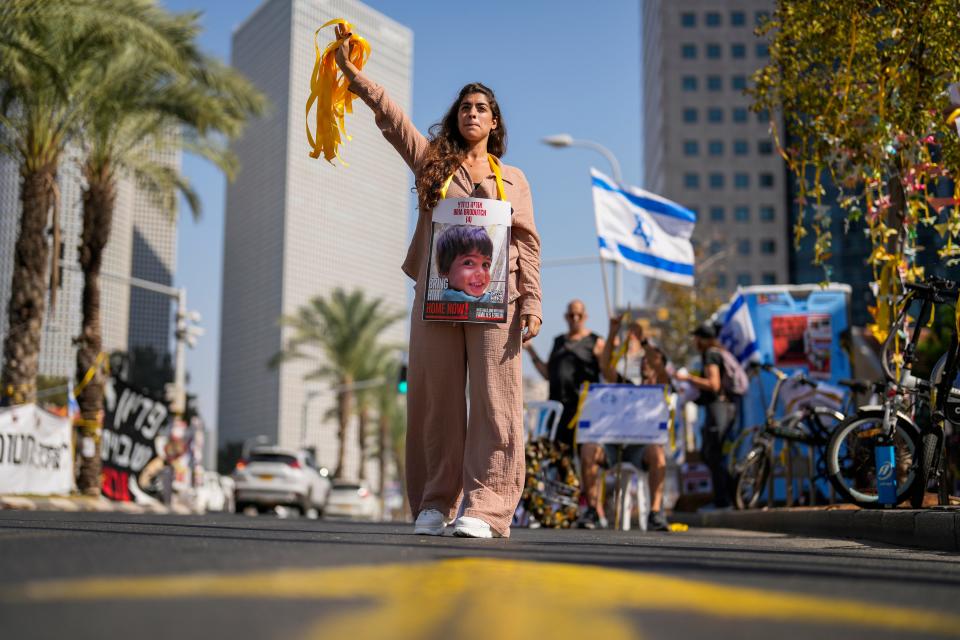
x,y
133,423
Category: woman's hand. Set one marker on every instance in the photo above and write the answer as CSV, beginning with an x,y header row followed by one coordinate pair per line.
x,y
529,327
343,55
614,328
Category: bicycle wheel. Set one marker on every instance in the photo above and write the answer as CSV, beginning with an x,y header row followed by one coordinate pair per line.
x,y
851,463
752,477
736,451
925,468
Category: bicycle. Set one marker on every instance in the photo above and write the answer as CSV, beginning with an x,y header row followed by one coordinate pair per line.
x,y
880,456
809,425
735,449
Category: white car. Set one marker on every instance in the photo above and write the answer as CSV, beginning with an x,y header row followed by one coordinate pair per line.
x,y
352,500
271,477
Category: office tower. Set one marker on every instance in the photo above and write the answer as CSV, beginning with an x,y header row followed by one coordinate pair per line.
x,y
141,234
154,249
298,227
703,147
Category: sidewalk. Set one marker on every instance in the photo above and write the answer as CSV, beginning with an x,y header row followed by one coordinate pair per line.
x,y
937,528
85,503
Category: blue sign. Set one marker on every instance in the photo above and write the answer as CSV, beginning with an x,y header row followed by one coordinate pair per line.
x,y
825,315
886,478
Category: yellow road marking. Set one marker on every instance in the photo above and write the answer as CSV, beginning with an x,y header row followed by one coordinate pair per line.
x,y
482,597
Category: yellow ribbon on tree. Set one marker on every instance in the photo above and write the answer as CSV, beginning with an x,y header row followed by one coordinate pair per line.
x,y
329,89
92,371
887,294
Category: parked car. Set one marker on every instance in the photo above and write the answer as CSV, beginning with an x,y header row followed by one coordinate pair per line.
x,y
271,476
216,493
353,500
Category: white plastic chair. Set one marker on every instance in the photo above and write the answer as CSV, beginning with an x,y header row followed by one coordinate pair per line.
x,y
633,483
541,418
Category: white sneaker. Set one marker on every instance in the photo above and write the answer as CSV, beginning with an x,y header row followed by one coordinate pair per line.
x,y
467,527
430,522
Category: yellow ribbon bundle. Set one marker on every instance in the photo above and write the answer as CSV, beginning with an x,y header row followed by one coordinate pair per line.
x,y
328,89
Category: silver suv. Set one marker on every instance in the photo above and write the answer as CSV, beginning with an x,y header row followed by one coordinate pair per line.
x,y
270,477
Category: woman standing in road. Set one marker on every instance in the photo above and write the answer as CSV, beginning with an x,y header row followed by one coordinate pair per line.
x,y
450,459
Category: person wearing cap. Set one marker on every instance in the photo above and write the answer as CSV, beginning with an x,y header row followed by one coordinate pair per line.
x,y
719,409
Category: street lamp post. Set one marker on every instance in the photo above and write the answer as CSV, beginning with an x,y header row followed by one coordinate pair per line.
x,y
563,140
186,333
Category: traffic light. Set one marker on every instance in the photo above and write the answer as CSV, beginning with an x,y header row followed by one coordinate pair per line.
x,y
402,380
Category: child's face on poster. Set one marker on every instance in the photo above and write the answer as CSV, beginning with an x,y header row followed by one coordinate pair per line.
x,y
470,273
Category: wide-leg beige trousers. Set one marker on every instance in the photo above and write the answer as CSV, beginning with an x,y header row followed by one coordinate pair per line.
x,y
450,458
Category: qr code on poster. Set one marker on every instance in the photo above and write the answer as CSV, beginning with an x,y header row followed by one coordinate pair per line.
x,y
496,295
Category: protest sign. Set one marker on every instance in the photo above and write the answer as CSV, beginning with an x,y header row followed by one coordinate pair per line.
x,y
469,256
624,414
36,454
135,429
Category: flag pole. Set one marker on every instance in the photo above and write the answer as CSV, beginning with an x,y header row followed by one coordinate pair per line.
x,y
603,261
606,290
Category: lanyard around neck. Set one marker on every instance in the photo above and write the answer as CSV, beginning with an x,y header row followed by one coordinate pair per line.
x,y
496,174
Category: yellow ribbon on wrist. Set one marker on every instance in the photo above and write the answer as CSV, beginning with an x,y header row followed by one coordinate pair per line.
x,y
329,89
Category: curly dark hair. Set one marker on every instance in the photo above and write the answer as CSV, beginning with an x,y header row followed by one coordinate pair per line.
x,y
459,239
448,148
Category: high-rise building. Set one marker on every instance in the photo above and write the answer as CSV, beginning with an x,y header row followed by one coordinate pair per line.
x,y
298,227
154,251
141,234
703,146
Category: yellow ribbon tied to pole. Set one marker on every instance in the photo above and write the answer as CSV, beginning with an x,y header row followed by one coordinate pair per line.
x,y
329,89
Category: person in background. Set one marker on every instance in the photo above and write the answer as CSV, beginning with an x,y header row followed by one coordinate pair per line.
x,y
645,363
719,409
574,359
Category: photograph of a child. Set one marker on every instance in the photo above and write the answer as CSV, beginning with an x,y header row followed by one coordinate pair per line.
x,y
468,264
464,258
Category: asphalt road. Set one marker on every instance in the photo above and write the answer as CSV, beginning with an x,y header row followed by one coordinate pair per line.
x,y
88,575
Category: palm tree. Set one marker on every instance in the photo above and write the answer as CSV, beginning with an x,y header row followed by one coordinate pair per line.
x,y
49,54
391,422
378,365
338,334
143,107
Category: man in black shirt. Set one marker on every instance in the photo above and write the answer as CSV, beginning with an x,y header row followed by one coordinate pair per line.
x,y
574,359
720,410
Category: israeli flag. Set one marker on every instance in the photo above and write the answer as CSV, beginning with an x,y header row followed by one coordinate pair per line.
x,y
737,334
644,232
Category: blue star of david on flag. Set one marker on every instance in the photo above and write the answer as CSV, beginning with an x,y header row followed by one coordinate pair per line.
x,y
642,231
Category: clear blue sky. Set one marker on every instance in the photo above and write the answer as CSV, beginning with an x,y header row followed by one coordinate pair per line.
x,y
556,66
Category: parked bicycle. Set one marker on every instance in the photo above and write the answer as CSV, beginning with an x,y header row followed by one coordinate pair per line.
x,y
739,443
881,455
808,425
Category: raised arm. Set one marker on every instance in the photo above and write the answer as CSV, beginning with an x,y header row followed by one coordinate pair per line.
x,y
607,369
393,123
